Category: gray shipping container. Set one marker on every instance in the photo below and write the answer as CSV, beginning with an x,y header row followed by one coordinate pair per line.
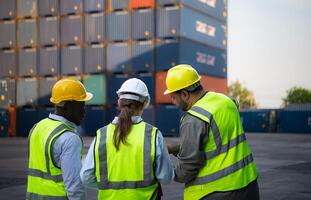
x,y
27,62
49,62
48,7
27,91
118,26
94,5
27,33
94,27
71,60
7,92
49,31
27,8
143,56
70,6
119,4
118,57
45,88
7,9
184,22
71,29
8,34
7,62
143,24
94,58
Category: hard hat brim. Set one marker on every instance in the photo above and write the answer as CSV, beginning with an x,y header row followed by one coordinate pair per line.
x,y
88,97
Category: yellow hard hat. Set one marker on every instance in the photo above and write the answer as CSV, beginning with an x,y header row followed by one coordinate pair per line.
x,y
69,90
180,77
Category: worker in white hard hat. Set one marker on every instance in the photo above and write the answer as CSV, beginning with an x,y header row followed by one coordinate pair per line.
x,y
128,159
55,147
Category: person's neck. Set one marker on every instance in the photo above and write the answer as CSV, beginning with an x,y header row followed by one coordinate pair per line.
x,y
196,97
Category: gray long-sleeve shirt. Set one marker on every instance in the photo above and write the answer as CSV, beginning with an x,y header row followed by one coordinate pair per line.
x,y
193,137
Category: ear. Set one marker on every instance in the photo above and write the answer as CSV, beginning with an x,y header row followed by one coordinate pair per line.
x,y
184,95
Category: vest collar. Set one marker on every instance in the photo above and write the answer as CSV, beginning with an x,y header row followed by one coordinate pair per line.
x,y
63,119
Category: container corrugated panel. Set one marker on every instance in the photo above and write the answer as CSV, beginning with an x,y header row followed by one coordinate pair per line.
x,y
118,26
294,121
94,119
143,56
45,87
7,9
48,7
70,6
215,84
7,92
118,57
27,8
49,31
255,120
184,22
71,29
7,62
4,122
206,60
94,27
71,60
8,33
94,58
96,84
24,123
27,59
118,4
148,79
94,5
27,33
114,83
27,92
143,24
142,3
214,8
49,62
160,87
165,114
298,107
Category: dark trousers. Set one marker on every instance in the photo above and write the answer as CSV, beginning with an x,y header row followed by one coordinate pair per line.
x,y
250,192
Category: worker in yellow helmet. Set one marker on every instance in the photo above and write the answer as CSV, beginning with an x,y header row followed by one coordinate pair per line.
x,y
214,159
55,148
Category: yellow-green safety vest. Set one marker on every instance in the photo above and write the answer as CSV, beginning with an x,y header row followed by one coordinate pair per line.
x,y
44,179
127,173
229,162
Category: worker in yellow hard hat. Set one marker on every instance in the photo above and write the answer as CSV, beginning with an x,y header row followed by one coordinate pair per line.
x,y
55,148
214,160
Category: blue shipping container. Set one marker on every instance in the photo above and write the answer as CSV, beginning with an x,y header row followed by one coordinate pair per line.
x,y
4,122
27,62
184,22
214,8
206,60
8,34
24,122
118,26
143,24
70,6
45,88
49,62
94,5
94,120
7,62
44,112
7,9
118,57
71,60
49,31
114,83
27,91
294,121
94,27
119,4
256,120
7,92
148,79
71,29
48,7
143,56
94,58
27,8
27,33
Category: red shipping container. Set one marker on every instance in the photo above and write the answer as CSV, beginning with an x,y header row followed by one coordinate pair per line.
x,y
160,87
141,4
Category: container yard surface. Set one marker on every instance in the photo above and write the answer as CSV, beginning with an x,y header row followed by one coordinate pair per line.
x,y
283,160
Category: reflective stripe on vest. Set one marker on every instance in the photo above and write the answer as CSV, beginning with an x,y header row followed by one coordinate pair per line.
x,y
148,180
30,195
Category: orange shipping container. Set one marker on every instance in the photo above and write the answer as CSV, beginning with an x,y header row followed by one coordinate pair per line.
x,y
160,87
142,4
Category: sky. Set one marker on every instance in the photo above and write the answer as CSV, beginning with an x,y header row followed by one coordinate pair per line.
x,y
269,47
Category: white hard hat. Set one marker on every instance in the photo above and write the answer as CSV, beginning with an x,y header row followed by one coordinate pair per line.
x,y
134,89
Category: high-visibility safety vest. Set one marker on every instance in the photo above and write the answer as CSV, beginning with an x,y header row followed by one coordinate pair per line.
x,y
44,177
127,173
229,162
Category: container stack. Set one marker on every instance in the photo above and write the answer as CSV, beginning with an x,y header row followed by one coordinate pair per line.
x,y
103,43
